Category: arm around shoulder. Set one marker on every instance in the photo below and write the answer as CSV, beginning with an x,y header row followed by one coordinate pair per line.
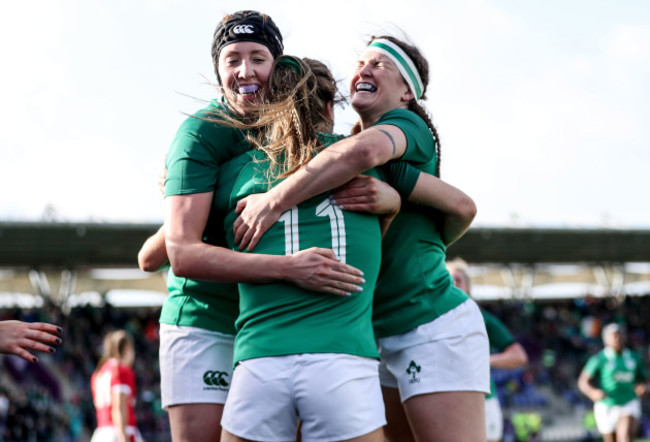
x,y
458,209
338,164
153,253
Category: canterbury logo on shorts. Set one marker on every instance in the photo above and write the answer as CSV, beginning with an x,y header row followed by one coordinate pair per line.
x,y
216,379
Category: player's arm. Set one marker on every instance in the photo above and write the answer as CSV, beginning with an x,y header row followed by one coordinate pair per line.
x,y
119,413
332,167
458,209
641,387
513,356
313,269
585,385
153,253
365,193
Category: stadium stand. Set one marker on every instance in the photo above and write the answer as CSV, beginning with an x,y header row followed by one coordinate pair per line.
x,y
51,273
559,337
51,400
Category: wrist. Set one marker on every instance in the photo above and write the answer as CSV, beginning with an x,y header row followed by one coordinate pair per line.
x,y
278,201
280,265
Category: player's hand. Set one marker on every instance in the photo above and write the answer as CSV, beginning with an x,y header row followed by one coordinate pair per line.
x,y
16,337
598,395
367,194
320,270
255,217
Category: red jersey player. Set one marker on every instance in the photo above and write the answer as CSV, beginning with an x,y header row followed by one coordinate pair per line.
x,y
113,388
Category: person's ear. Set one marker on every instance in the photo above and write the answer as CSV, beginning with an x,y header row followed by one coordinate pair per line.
x,y
329,111
408,95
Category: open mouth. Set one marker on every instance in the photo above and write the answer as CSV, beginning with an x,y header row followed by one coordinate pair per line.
x,y
248,89
365,87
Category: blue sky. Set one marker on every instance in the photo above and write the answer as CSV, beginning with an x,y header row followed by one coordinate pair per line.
x,y
542,107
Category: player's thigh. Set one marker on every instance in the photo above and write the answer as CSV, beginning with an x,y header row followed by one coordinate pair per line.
x,y
397,428
626,429
195,422
447,416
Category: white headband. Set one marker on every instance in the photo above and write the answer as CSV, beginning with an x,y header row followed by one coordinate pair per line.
x,y
403,62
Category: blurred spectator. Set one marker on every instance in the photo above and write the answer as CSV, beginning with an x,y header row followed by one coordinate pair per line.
x,y
614,379
114,390
505,352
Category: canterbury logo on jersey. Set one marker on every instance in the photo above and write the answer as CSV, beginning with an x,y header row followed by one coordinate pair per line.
x,y
243,29
623,376
215,378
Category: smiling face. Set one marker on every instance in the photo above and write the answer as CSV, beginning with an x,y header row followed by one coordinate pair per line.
x,y
377,87
244,69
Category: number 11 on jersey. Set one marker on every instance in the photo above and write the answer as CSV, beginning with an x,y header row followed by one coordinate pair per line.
x,y
337,228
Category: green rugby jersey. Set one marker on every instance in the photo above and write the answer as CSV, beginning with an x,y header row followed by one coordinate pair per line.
x,y
617,374
414,285
194,163
500,338
281,318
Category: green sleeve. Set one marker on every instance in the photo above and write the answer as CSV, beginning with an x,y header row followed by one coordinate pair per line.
x,y
401,176
498,334
420,144
593,365
197,151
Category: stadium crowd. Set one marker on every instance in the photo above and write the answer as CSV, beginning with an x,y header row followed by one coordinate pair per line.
x,y
51,400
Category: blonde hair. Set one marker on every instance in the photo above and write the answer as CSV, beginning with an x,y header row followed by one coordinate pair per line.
x,y
286,127
460,265
114,346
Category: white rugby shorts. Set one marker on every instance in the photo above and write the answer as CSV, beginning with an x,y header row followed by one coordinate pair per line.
x,y
109,434
607,417
335,396
493,419
450,353
195,365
